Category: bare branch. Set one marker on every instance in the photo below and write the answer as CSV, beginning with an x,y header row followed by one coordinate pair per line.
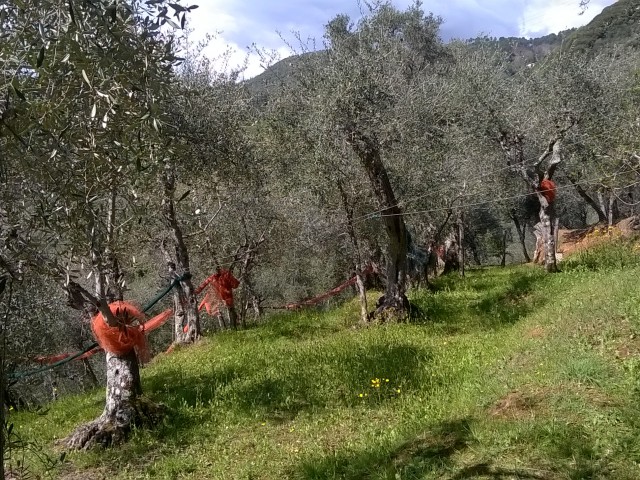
x,y
208,224
79,297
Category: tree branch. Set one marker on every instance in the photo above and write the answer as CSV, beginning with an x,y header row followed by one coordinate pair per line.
x,y
79,297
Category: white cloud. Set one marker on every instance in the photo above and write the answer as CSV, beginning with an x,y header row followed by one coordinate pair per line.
x,y
225,23
541,17
238,24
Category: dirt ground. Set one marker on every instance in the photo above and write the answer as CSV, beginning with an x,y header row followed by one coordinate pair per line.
x,y
570,241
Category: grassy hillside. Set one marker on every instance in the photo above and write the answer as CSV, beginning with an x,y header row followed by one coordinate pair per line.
x,y
508,373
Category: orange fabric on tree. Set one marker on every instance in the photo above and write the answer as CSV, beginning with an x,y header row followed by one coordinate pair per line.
x,y
124,337
548,190
158,320
48,360
219,289
224,285
90,353
323,296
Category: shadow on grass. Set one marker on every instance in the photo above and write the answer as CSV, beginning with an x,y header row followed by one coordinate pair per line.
x,y
484,300
566,453
297,326
277,387
489,471
429,452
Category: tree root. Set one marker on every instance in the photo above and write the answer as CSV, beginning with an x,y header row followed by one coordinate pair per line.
x,y
110,430
391,310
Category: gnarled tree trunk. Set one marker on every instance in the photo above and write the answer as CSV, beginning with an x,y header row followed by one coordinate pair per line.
x,y
185,302
394,303
123,406
547,226
120,412
512,145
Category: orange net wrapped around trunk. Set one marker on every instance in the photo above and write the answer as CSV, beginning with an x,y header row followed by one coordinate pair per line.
x,y
548,190
124,337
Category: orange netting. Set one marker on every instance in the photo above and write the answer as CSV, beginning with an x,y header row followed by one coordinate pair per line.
x,y
158,320
126,336
48,360
90,353
220,288
323,296
151,324
130,334
548,190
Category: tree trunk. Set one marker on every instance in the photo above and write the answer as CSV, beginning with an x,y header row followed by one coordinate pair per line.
x,y
612,203
521,229
602,217
461,243
603,206
185,302
503,262
362,296
547,225
123,406
538,254
256,305
123,409
3,379
394,304
109,264
362,292
451,259
513,148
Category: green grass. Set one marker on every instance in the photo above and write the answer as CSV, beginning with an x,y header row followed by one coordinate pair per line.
x,y
509,373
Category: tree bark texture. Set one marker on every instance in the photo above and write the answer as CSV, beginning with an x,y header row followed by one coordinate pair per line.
x,y
602,217
394,302
123,408
460,239
185,303
521,229
503,261
547,226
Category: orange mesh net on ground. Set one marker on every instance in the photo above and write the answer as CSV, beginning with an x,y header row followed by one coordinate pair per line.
x,y
124,337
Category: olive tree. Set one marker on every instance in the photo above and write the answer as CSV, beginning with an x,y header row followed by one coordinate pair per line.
x,y
354,96
82,85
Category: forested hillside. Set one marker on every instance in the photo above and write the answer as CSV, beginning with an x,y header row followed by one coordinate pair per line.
x,y
141,187
617,26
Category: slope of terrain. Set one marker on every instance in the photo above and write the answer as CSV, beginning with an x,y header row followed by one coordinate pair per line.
x,y
509,373
618,25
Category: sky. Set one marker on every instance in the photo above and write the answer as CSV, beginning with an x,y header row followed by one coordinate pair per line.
x,y
236,25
